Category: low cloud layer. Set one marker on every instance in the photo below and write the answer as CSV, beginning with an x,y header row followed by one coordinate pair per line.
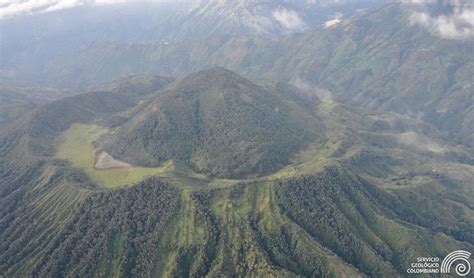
x,y
450,19
289,19
11,8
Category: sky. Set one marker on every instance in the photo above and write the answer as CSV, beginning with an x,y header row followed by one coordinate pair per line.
x,y
10,8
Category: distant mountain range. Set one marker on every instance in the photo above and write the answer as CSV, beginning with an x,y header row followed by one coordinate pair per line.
x,y
32,43
15,101
378,60
203,19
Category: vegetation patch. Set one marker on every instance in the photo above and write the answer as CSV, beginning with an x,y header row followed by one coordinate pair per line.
x,y
219,124
76,146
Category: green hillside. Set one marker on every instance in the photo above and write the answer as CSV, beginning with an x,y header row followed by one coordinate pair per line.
x,y
15,101
218,123
361,193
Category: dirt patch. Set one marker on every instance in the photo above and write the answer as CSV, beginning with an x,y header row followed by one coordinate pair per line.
x,y
103,160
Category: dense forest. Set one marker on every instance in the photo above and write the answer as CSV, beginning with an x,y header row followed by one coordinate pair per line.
x,y
112,233
314,225
250,179
220,124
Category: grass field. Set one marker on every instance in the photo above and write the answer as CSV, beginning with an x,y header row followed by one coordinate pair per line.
x,y
76,146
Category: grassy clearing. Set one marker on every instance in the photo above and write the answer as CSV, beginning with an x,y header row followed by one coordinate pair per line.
x,y
76,146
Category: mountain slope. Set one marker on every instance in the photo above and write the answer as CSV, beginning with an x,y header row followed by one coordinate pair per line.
x,y
33,136
17,100
45,122
220,124
134,220
30,42
399,67
365,197
377,60
203,19
33,42
39,194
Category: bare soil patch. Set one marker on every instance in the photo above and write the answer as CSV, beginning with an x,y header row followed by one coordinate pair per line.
x,y
103,160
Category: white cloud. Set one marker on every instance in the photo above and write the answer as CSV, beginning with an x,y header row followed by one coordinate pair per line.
x,y
289,19
60,5
109,2
336,20
450,19
11,8
332,22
